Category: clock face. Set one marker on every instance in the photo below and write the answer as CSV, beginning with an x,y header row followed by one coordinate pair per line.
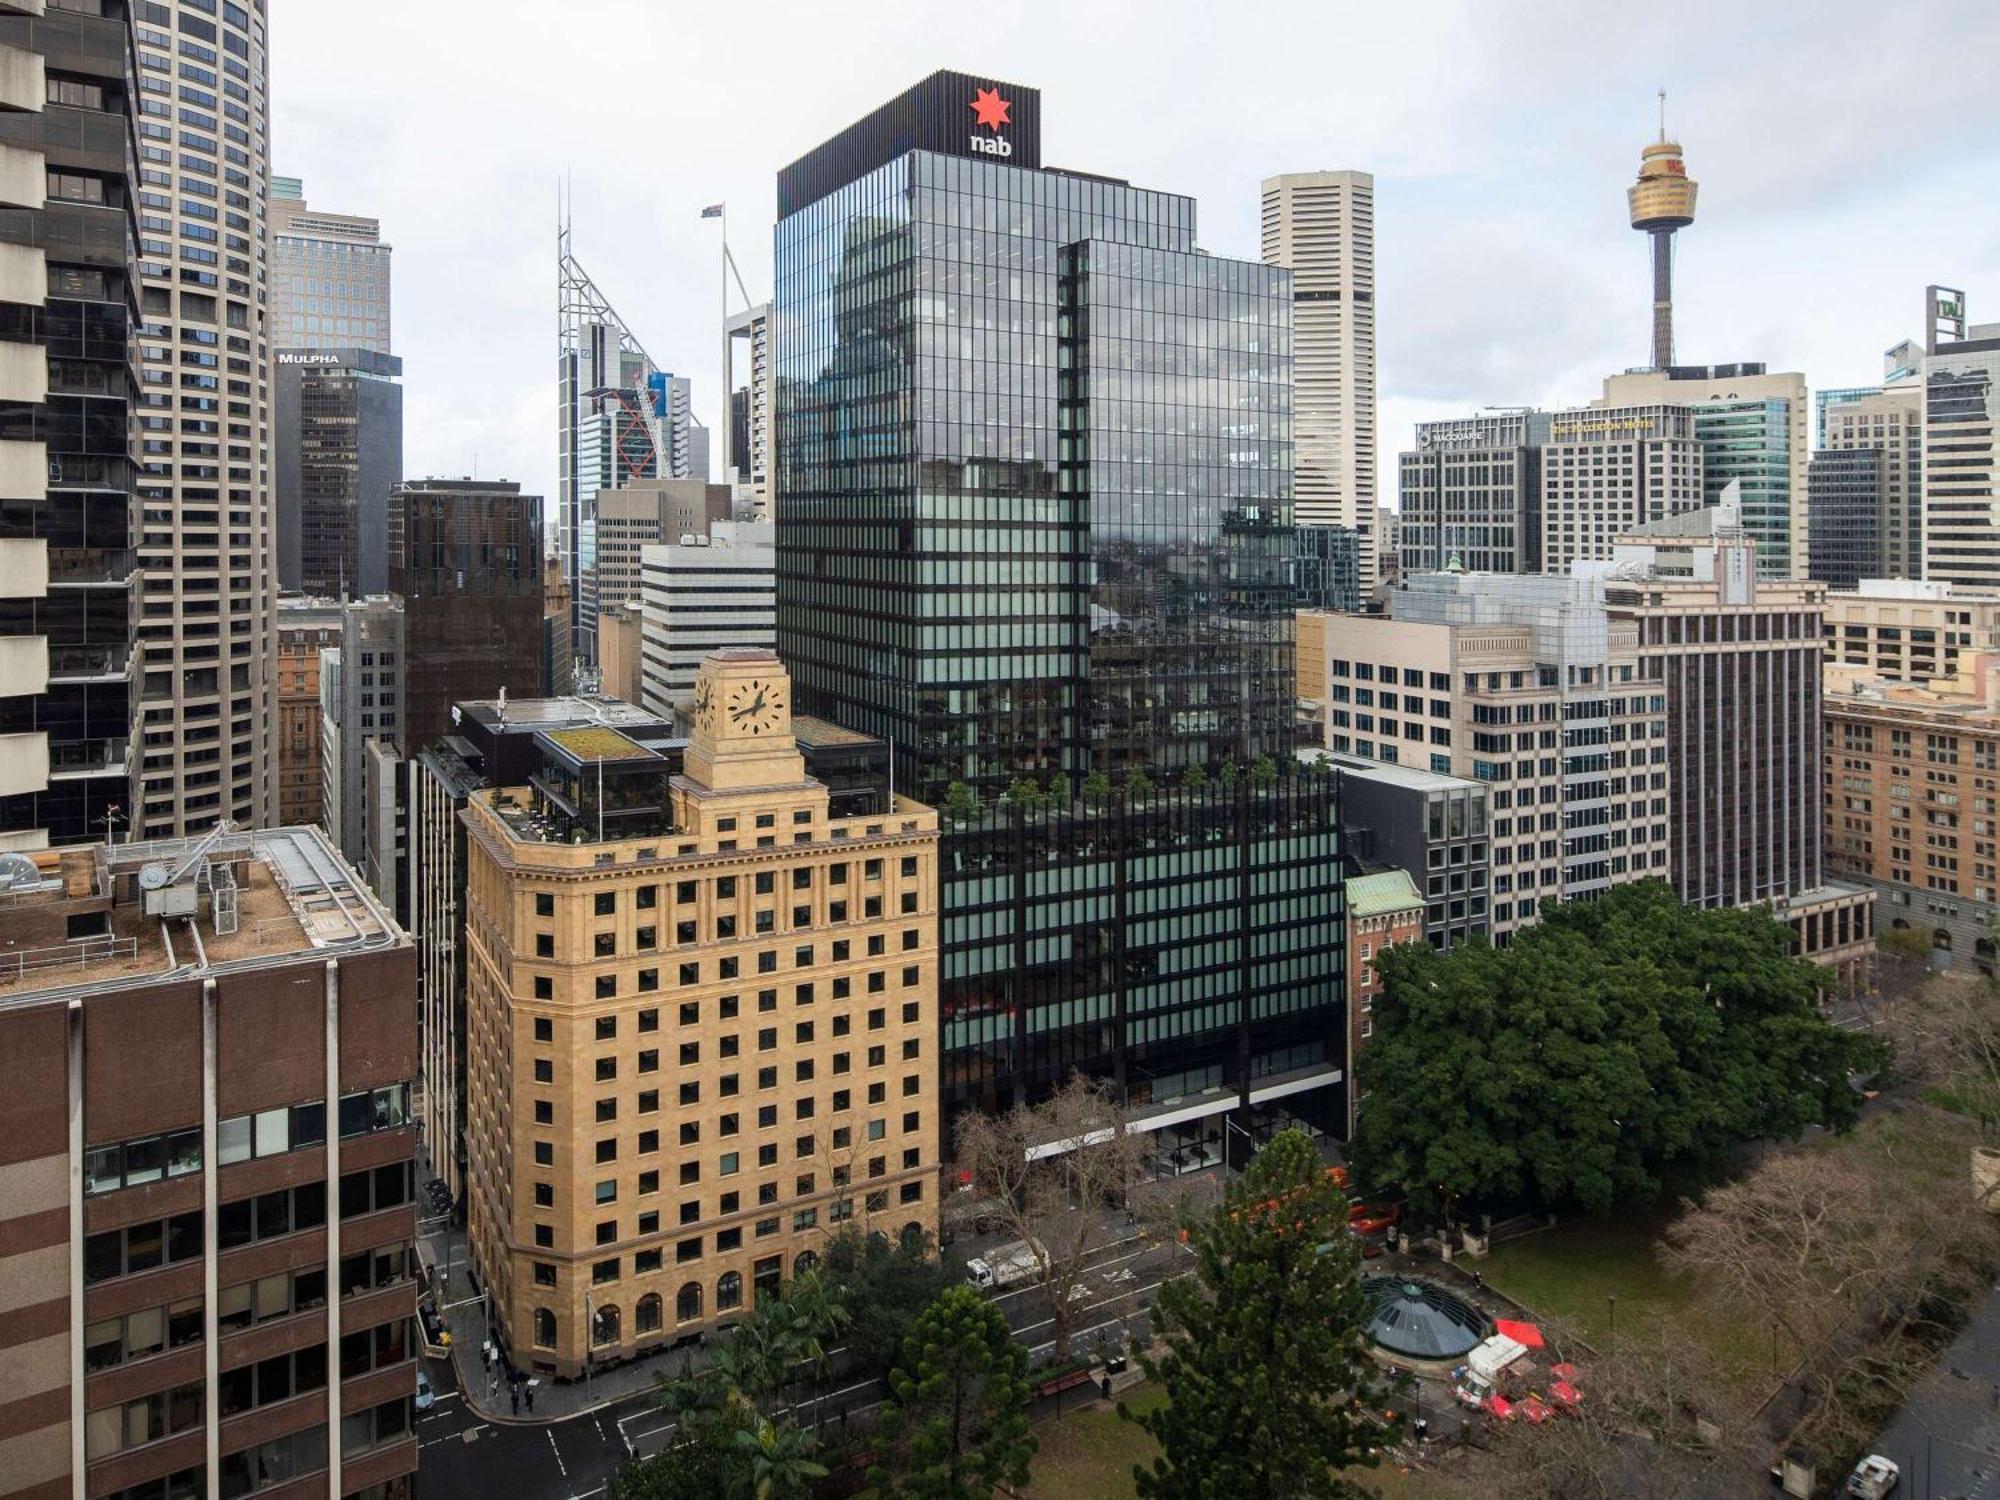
x,y
703,703
754,706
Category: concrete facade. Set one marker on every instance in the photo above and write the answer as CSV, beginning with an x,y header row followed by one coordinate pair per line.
x,y
1888,422
716,592
1322,226
1909,631
1606,469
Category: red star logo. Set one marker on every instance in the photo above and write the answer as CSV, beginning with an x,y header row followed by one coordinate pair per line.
x,y
991,109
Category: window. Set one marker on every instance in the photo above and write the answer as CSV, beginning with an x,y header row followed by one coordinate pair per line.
x,y
545,904
687,1302
154,1157
139,1334
545,1328
272,1463
646,1317
113,1429
277,1379
375,1427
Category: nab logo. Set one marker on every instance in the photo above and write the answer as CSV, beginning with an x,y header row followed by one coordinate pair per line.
x,y
990,110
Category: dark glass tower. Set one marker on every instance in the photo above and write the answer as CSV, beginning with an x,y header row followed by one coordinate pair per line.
x,y
66,477
1034,526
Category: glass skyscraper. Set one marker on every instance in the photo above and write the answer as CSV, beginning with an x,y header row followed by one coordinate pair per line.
x,y
1034,525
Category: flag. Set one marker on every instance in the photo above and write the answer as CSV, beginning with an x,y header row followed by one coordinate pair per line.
x,y
713,211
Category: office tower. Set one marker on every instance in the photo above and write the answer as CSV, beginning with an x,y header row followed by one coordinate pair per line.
x,y
644,513
305,628
620,417
1844,541
1913,759
1429,825
558,659
66,372
1606,469
465,561
1321,225
1662,202
206,1050
363,697
1961,437
207,549
1889,423
1908,630
702,594
1471,490
1752,427
620,651
1326,567
1388,544
1740,657
1835,396
990,556
337,420
1501,678
747,467
708,1012
329,276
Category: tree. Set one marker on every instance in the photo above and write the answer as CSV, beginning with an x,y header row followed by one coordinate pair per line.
x,y
1060,793
956,1424
1137,783
779,1458
886,1288
699,1467
1195,778
1025,793
1228,776
1266,1372
961,803
1057,1198
1946,1035
1096,788
1616,1045
1264,772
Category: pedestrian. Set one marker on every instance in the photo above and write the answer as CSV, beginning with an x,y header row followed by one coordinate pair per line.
x,y
531,1398
514,1395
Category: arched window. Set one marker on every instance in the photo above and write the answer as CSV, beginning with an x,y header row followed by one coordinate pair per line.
x,y
805,1261
545,1328
912,1236
1941,940
604,1326
1900,925
729,1291
687,1302
647,1318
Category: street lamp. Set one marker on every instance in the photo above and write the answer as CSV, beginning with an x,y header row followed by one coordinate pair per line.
x,y
1611,1306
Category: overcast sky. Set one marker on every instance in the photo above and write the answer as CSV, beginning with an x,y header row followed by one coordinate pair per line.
x,y
1848,153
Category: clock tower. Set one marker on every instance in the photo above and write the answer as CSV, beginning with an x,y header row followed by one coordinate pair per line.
x,y
742,737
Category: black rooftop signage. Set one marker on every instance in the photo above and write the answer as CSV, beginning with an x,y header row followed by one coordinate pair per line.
x,y
956,114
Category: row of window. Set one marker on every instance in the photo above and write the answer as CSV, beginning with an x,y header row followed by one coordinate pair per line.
x,y
157,1242
270,1132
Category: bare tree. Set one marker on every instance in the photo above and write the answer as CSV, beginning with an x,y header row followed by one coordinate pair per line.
x,y
1947,1032
1654,1423
1047,1173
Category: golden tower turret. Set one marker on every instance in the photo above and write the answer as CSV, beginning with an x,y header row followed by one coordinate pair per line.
x,y
1662,201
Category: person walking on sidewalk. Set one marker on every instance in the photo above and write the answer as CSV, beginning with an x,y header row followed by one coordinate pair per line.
x,y
514,1395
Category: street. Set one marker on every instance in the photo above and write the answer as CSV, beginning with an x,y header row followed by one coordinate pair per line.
x,y
463,1455
1947,1436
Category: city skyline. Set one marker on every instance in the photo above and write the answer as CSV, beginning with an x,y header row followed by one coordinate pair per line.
x,y
1532,294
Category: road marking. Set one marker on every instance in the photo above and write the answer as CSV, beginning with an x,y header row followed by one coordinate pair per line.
x,y
558,1453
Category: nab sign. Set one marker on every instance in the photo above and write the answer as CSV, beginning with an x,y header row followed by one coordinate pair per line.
x,y
990,110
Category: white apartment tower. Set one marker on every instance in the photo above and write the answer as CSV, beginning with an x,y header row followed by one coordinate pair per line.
x,y
1322,226
207,688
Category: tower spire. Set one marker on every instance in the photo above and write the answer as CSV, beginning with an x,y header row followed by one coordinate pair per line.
x,y
1663,114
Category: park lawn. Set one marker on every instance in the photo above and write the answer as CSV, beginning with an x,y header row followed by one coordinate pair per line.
x,y
1570,1273
1088,1454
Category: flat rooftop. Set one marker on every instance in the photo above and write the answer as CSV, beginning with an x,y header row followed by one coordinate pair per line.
x,y
613,713
1395,775
81,918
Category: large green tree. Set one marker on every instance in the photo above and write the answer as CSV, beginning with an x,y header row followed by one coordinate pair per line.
x,y
1618,1044
956,1423
1266,1371
885,1287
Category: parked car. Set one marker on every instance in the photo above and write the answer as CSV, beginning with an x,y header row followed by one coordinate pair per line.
x,y
1874,1477
426,1397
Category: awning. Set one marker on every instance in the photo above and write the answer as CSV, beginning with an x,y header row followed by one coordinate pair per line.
x,y
1527,1335
1565,1394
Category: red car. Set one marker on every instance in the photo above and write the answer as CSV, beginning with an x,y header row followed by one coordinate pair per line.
x,y
1367,1219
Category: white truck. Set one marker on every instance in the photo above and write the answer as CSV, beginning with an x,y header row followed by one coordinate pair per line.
x,y
1873,1478
1007,1265
1478,1379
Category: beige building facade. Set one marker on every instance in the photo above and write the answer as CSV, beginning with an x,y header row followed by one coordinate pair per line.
x,y
1322,226
701,1027
1909,630
1890,421
1608,469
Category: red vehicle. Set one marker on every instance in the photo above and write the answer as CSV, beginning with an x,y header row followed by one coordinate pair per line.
x,y
1373,1218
